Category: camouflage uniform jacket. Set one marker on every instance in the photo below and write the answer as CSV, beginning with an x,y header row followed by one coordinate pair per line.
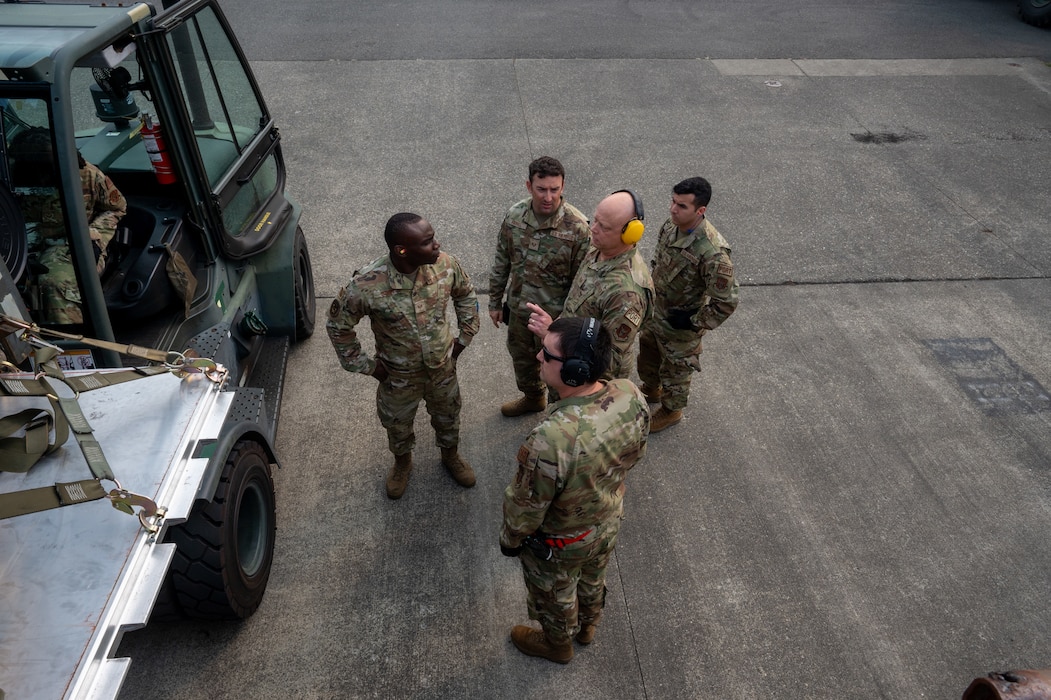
x,y
693,271
407,314
537,260
104,207
571,468
618,292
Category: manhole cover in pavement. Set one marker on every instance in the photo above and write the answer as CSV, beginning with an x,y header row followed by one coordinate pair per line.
x,y
989,377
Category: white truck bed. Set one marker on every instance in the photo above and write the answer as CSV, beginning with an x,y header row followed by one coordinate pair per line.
x,y
74,579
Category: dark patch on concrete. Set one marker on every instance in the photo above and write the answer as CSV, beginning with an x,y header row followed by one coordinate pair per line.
x,y
989,377
880,137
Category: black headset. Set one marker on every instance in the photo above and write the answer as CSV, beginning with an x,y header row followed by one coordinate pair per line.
x,y
576,370
633,230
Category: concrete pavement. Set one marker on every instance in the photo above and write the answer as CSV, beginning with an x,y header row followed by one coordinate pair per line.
x,y
857,502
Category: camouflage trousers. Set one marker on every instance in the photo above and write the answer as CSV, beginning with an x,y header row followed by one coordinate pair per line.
x,y
668,361
399,396
59,291
569,590
523,345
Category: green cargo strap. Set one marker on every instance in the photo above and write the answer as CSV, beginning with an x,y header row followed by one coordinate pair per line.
x,y
19,454
88,445
49,497
11,386
151,354
99,380
20,388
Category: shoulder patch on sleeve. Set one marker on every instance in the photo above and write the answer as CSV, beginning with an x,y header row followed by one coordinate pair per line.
x,y
623,332
524,473
333,310
634,316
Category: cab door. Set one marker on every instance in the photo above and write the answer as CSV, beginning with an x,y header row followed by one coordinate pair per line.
x,y
231,135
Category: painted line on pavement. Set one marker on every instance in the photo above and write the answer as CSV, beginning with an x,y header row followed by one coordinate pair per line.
x,y
856,68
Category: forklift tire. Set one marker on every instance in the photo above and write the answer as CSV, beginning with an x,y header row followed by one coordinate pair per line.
x,y
224,551
166,607
306,302
1035,12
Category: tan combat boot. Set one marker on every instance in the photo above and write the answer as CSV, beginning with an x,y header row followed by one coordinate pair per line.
x,y
398,476
458,467
663,418
653,395
534,642
588,625
528,403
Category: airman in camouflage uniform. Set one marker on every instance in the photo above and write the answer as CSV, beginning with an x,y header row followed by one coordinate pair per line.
x,y
613,284
695,292
36,187
541,244
406,294
568,493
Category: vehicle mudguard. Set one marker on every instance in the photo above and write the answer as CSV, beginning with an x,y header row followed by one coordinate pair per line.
x,y
231,434
275,272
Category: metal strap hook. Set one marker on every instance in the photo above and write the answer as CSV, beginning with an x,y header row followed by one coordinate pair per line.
x,y
125,501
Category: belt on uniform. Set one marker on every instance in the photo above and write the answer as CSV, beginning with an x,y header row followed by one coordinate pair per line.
x,y
561,542
542,546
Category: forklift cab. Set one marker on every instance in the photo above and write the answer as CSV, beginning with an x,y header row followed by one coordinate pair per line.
x,y
141,132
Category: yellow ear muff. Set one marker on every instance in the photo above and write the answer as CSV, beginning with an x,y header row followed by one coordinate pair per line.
x,y
633,231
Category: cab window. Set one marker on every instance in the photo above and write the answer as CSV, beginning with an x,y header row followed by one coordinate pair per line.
x,y
230,122
225,110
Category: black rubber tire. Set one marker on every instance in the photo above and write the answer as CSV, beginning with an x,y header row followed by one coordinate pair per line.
x,y
303,275
1035,12
166,608
225,549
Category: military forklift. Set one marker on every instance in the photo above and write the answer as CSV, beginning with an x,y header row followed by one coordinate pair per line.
x,y
205,282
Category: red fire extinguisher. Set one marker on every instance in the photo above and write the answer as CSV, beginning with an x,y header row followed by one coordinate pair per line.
x,y
157,151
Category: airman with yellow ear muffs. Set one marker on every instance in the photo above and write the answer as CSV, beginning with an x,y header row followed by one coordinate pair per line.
x,y
613,283
695,292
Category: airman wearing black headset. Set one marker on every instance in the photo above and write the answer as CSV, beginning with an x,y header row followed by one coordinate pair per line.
x,y
570,481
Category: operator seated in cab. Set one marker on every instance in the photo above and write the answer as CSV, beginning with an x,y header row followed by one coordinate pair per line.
x,y
36,186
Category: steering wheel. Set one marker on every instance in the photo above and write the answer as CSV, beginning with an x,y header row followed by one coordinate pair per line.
x,y
14,243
